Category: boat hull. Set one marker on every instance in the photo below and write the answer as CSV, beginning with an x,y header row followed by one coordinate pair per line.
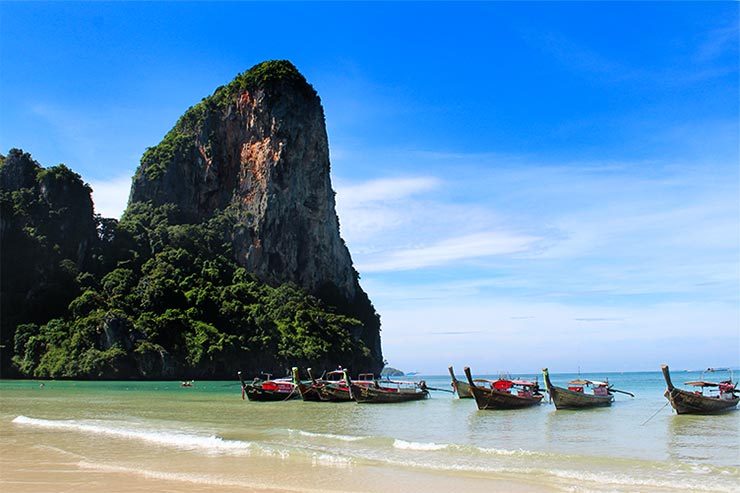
x,y
461,388
492,400
261,395
685,402
309,393
371,395
333,393
568,399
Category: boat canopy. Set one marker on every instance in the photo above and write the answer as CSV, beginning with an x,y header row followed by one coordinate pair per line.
x,y
702,383
523,383
594,383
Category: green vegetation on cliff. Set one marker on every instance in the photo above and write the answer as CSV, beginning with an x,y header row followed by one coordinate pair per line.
x,y
147,298
180,139
48,241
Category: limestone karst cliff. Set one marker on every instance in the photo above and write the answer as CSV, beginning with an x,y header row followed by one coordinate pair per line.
x,y
228,256
258,147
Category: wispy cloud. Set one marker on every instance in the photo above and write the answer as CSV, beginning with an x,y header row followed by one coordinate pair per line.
x,y
530,228
383,190
453,249
110,196
717,42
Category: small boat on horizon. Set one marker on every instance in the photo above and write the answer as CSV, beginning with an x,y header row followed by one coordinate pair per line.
x,y
575,397
504,393
687,402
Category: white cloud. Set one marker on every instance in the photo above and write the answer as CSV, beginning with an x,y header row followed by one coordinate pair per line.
x,y
406,223
452,249
111,196
381,190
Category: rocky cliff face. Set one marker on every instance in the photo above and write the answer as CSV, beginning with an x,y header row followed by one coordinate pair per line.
x,y
258,146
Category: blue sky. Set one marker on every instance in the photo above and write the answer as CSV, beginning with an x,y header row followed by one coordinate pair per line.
x,y
520,184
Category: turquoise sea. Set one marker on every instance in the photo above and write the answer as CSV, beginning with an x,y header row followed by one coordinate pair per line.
x,y
193,439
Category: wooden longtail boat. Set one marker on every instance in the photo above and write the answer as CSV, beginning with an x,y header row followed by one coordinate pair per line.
x,y
462,388
686,402
281,389
332,387
389,393
574,396
308,391
501,394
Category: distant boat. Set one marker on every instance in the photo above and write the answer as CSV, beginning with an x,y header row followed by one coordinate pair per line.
x,y
574,397
389,393
687,402
186,383
461,388
504,393
280,389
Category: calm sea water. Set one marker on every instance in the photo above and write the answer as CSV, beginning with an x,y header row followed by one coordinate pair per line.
x,y
207,435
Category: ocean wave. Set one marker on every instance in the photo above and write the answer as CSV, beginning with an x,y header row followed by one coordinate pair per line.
x,y
466,449
331,436
519,452
633,482
170,438
424,446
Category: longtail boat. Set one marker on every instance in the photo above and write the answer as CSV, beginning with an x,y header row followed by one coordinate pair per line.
x,y
575,397
687,402
331,387
504,393
308,391
281,389
390,392
461,388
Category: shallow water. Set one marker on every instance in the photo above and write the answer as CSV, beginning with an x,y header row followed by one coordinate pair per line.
x,y
139,433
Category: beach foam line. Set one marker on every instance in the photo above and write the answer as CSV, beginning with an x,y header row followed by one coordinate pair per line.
x,y
634,482
467,449
170,438
423,446
331,436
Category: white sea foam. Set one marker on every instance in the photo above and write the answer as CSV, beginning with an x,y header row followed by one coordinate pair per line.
x,y
635,482
344,438
432,446
497,451
332,460
404,445
169,438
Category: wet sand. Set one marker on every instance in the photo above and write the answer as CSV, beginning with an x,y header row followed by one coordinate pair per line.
x,y
28,465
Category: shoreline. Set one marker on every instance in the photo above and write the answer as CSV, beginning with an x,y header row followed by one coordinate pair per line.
x,y
129,436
